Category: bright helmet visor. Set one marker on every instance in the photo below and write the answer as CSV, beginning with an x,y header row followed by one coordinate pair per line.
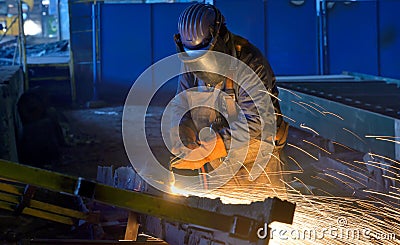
x,y
194,54
200,60
203,61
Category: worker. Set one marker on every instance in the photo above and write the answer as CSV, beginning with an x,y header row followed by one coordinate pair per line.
x,y
206,133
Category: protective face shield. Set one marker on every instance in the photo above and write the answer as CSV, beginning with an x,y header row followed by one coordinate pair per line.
x,y
204,64
199,32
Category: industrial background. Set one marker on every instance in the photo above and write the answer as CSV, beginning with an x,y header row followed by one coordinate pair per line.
x,y
66,67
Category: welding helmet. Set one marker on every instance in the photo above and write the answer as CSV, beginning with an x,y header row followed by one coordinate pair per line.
x,y
200,27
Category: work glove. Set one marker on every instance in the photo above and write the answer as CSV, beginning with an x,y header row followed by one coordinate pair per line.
x,y
205,152
186,141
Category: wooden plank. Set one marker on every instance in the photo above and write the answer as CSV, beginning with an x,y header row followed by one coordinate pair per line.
x,y
132,228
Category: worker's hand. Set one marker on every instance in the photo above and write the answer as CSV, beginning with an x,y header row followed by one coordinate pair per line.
x,y
180,150
183,139
188,136
205,152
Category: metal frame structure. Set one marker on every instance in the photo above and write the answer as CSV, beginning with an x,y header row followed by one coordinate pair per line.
x,y
352,125
232,223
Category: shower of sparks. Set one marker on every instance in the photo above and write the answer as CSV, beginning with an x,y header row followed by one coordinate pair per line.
x,y
291,119
248,172
392,178
393,187
308,128
346,147
340,180
365,177
326,181
349,177
384,164
318,213
305,108
312,107
315,158
365,203
389,140
355,135
333,114
383,157
393,193
381,194
378,213
319,147
327,193
317,105
382,136
299,180
270,94
290,91
349,164
377,165
277,158
297,163
206,174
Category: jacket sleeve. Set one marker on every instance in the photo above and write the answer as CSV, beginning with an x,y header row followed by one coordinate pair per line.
x,y
248,125
252,107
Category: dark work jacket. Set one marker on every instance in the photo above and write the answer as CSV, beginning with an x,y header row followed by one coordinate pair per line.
x,y
252,56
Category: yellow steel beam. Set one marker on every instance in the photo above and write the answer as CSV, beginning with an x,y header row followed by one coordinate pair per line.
x,y
58,210
45,207
138,202
38,213
17,190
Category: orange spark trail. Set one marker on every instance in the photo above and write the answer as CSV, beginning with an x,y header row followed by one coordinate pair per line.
x,y
319,147
305,127
303,151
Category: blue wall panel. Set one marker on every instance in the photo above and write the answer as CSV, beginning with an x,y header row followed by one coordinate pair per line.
x,y
389,38
291,37
133,36
125,42
352,35
165,25
245,18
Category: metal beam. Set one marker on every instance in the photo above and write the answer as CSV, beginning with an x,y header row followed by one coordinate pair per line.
x,y
172,210
38,213
355,122
43,207
362,76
